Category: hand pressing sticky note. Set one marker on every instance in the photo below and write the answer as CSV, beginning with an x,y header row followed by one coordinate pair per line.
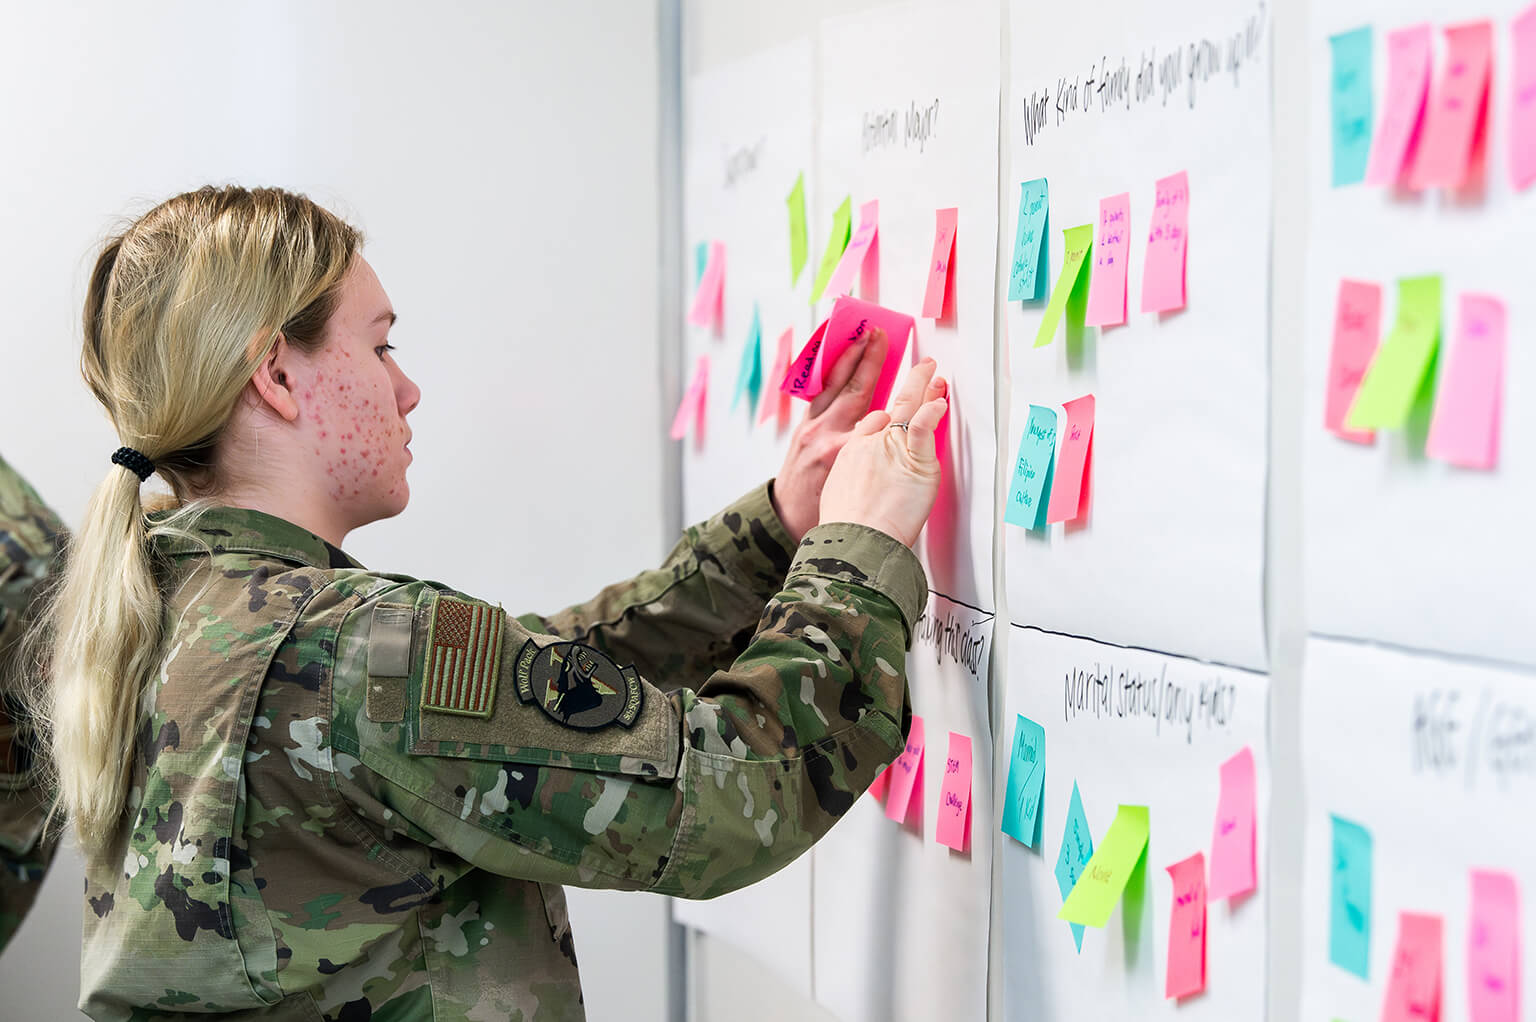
x,y
1111,261
1030,490
907,775
1409,55
709,299
1234,837
1413,988
1026,279
1069,479
851,321
797,232
1026,782
690,410
1079,242
1352,104
749,377
1455,120
1522,101
941,265
1349,915
1162,279
1098,890
1356,332
1493,948
954,829
1076,850
838,241
1469,403
1402,363
1186,928
852,260
776,402
803,377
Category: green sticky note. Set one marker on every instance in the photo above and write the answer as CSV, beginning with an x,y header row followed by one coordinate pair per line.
x,y
1073,276
749,377
1098,890
796,202
842,221
1396,374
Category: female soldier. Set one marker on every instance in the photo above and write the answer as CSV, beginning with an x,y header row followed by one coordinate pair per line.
x,y
306,789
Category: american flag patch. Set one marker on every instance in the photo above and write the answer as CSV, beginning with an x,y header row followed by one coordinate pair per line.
x,y
463,658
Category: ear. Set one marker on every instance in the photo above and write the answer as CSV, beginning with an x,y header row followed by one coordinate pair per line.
x,y
272,380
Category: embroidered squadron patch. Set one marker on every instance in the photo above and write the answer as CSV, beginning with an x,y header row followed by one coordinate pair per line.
x,y
463,658
577,686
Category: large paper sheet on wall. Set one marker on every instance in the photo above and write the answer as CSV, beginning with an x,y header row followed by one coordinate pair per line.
x,y
1383,523
1105,99
1435,759
1140,728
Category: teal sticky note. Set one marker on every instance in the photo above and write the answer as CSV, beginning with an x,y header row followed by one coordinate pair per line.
x,y
700,260
1030,491
749,378
1349,925
1076,850
1352,104
1026,782
1027,280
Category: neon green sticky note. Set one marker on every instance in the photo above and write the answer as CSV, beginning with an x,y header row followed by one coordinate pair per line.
x,y
842,222
1392,381
796,203
1073,275
1103,880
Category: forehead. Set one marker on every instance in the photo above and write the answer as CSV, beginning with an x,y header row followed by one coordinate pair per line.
x,y
363,299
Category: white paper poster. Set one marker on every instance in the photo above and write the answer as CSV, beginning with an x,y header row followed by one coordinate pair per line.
x,y
1130,727
1106,100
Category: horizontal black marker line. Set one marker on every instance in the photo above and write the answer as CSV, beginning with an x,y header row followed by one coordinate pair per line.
x,y
1139,649
1513,666
969,606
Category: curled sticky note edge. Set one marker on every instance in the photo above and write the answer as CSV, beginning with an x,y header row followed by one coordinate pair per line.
x,y
954,828
1104,878
906,774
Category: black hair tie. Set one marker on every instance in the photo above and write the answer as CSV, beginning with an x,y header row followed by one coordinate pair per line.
x,y
134,462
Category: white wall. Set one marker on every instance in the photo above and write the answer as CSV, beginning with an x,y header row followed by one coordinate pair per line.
x,y
502,159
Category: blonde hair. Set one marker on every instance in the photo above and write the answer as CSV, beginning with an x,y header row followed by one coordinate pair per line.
x,y
182,308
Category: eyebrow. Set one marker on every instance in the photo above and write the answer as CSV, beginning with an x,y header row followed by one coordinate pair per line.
x,y
386,314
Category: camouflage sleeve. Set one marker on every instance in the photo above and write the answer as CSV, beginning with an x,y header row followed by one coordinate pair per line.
x,y
694,615
554,763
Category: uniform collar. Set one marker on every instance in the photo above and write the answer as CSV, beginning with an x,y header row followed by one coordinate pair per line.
x,y
241,530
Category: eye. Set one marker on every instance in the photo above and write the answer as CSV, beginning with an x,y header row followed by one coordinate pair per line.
x,y
381,349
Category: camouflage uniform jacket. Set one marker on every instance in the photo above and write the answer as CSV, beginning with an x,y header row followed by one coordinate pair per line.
x,y
30,536
357,795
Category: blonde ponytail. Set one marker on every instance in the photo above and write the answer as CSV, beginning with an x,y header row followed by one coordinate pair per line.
x,y
180,311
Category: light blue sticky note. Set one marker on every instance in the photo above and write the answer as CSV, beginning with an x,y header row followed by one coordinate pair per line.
x,y
1349,927
1352,104
1027,281
749,378
1026,782
700,260
1030,491
1076,850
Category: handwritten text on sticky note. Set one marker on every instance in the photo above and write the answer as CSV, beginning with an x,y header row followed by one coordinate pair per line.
x,y
1469,403
1349,917
1409,53
1030,489
1493,948
907,775
1413,988
1234,839
1454,117
841,281
1070,477
1111,261
954,829
1026,281
1186,928
1026,782
1356,332
1079,243
941,265
1076,850
1098,890
1162,280
1352,95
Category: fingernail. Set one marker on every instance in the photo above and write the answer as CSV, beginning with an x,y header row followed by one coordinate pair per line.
x,y
927,360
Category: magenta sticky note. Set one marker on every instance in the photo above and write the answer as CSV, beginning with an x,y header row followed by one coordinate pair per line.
x,y
1162,281
1356,333
841,281
691,407
1456,116
881,785
853,318
709,300
1069,479
954,828
1470,397
1413,987
803,378
1410,52
1234,839
776,402
1186,928
1522,102
1111,261
1493,948
906,774
941,268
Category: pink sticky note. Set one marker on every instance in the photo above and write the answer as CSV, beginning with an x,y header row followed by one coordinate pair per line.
x,y
941,268
851,319
881,785
841,281
776,402
954,827
1069,482
1456,118
1413,989
1522,105
1111,261
1469,400
803,378
1186,928
1356,332
709,300
1162,283
1409,55
1234,837
906,774
1493,948
691,407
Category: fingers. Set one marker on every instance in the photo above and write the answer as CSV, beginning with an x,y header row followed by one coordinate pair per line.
x,y
920,434
850,403
913,387
872,423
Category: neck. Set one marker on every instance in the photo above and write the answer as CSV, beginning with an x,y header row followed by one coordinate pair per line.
x,y
290,502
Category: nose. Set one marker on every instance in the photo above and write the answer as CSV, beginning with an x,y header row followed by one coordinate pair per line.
x,y
407,394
